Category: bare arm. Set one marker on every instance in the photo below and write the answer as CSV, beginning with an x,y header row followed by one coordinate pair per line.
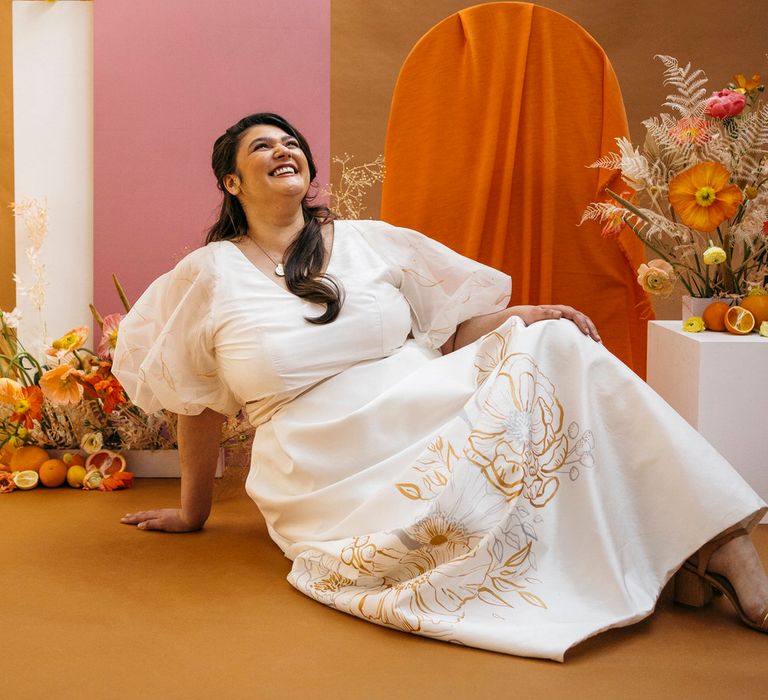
x,y
199,438
472,329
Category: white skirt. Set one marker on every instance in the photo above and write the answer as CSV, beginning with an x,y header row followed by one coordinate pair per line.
x,y
519,495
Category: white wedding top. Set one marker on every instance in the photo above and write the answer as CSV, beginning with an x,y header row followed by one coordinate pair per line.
x,y
216,332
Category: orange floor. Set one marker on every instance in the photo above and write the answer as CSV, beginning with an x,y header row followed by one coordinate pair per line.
x,y
96,609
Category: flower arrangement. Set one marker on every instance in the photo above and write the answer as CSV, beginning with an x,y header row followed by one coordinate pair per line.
x,y
698,195
66,397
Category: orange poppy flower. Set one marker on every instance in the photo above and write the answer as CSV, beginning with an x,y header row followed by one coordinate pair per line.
x,y
29,407
747,85
62,385
702,197
68,342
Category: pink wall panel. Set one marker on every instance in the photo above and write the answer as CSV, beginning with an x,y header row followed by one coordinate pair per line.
x,y
169,77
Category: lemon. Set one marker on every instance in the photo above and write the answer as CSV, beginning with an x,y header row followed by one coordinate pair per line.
x,y
75,476
26,479
764,329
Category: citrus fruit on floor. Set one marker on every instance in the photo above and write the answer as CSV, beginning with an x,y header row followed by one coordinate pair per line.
x,y
106,461
714,316
739,321
53,473
73,458
75,476
26,479
757,305
28,457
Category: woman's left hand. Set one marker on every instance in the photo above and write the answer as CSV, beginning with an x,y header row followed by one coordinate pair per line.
x,y
547,312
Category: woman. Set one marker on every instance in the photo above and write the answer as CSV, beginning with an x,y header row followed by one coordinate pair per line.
x,y
429,459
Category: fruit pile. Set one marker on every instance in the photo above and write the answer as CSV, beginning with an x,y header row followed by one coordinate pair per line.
x,y
26,467
751,314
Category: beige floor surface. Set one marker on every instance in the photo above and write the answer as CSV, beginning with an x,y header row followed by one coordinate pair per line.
x,y
95,609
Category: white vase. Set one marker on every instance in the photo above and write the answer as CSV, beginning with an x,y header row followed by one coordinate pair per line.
x,y
694,306
153,463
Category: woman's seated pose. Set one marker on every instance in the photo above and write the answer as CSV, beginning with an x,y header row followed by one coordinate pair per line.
x,y
428,458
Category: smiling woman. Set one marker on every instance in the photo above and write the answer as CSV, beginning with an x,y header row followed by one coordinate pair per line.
x,y
264,167
429,459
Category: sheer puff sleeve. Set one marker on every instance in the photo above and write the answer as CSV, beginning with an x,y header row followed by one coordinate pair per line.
x,y
441,287
165,354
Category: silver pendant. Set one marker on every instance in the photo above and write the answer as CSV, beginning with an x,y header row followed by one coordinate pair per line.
x,y
280,270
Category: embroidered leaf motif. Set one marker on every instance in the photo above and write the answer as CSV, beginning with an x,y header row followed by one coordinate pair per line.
x,y
532,599
410,490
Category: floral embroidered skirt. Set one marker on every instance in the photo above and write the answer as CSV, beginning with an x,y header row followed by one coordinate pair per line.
x,y
519,495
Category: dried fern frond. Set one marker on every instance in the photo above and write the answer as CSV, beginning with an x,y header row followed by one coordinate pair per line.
x,y
610,161
689,86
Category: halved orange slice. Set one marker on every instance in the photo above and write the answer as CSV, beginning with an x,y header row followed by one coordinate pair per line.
x,y
739,321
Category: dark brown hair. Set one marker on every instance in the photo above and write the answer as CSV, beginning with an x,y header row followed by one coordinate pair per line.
x,y
305,256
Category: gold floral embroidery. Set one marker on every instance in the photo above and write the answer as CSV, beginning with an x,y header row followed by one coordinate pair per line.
x,y
435,468
519,442
476,542
332,583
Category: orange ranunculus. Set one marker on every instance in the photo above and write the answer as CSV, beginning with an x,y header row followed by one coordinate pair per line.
x,y
29,407
10,391
62,384
68,342
657,277
702,197
109,390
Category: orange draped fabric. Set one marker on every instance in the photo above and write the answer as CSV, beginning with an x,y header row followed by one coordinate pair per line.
x,y
497,111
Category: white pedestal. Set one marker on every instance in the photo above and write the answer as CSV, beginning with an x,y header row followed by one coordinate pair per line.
x,y
152,463
718,382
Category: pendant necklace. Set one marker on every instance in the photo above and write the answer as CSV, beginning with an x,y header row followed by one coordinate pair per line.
x,y
279,269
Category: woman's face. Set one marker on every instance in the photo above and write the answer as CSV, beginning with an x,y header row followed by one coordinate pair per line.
x,y
269,163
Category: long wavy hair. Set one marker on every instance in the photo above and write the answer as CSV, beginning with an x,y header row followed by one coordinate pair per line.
x,y
305,256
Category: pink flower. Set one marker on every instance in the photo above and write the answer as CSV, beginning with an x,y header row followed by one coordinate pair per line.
x,y
690,130
108,341
725,103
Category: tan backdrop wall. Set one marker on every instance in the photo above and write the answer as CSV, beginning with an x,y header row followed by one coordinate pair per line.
x,y
371,38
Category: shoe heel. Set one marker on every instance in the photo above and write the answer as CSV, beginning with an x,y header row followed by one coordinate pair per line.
x,y
691,589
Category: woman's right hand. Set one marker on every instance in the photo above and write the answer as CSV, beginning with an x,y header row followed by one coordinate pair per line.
x,y
166,520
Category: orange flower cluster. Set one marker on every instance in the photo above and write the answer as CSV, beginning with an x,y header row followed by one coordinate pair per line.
x,y
78,375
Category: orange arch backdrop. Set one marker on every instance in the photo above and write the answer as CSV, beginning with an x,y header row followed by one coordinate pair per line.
x,y
496,113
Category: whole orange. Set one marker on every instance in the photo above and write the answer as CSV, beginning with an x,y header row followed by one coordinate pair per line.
x,y
28,457
714,316
758,305
53,473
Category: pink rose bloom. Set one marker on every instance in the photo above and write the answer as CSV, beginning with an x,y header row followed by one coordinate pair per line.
x,y
725,103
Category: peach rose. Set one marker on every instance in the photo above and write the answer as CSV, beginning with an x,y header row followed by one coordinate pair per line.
x,y
657,277
725,103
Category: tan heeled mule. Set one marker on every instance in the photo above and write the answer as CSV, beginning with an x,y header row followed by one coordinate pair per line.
x,y
694,585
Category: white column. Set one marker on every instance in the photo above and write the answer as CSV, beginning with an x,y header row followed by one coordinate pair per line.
x,y
53,134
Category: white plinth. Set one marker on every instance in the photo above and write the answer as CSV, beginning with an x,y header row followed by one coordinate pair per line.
x,y
718,382
153,463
